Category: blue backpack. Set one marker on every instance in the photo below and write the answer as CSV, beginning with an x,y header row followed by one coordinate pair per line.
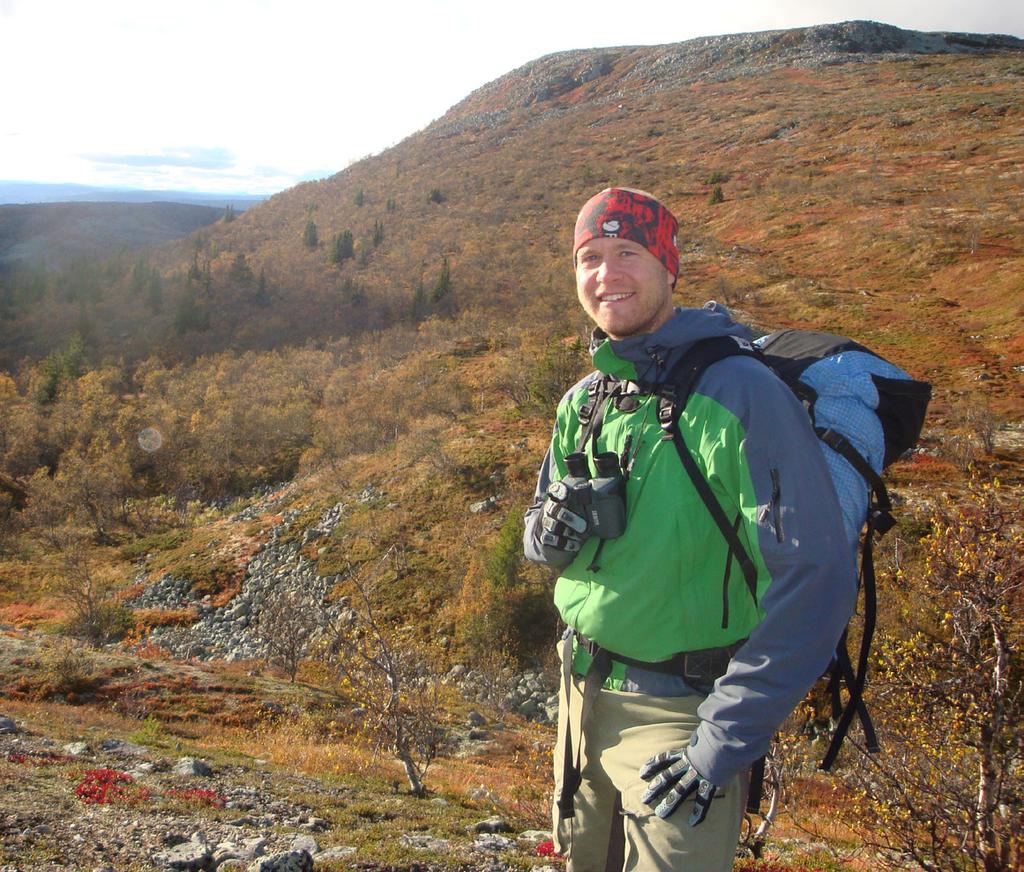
x,y
867,414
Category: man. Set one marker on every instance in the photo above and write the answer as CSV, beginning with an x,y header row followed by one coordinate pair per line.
x,y
679,662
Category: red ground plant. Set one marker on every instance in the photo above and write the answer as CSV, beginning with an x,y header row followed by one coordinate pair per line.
x,y
107,786
198,796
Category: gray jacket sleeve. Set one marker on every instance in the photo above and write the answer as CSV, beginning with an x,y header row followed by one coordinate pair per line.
x,y
812,588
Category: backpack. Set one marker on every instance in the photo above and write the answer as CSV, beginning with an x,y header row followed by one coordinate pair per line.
x,y
866,412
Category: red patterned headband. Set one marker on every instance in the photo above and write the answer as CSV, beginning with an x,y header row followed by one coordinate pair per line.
x,y
627,214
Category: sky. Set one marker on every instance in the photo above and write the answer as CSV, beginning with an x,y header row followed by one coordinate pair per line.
x,y
253,96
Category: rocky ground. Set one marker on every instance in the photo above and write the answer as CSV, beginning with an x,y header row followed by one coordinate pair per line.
x,y
282,568
105,804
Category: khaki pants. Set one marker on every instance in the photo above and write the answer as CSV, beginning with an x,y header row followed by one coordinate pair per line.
x,y
622,732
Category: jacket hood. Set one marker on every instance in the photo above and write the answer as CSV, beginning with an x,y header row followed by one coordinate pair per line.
x,y
650,356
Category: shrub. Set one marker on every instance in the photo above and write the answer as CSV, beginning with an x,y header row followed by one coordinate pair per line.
x,y
716,196
108,786
948,790
67,667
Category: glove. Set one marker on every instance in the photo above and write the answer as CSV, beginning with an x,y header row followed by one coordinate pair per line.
x,y
564,528
677,780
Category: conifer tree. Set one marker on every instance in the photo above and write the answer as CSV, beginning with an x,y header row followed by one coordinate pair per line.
x,y
309,236
342,247
443,284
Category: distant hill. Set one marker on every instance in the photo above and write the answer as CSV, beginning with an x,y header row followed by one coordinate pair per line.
x,y
54,234
40,192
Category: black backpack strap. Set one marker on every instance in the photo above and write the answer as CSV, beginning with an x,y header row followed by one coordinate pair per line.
x,y
672,399
591,413
755,792
879,522
880,517
843,671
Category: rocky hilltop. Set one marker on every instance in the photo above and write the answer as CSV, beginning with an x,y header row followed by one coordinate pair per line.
x,y
566,79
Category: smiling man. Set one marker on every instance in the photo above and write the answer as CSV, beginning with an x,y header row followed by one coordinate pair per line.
x,y
703,574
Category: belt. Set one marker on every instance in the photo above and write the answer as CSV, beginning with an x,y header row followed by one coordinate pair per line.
x,y
705,665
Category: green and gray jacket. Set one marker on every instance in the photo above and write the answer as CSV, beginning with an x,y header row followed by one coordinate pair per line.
x,y
661,588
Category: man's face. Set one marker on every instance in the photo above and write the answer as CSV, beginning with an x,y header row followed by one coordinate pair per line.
x,y
623,287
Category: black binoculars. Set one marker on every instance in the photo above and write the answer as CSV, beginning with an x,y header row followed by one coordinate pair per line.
x,y
599,500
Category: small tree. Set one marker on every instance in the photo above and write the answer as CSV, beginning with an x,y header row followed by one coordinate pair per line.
x,y
96,616
360,197
286,626
378,232
240,270
716,195
948,789
392,677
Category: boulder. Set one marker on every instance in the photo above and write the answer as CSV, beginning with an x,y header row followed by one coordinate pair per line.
x,y
492,825
8,726
286,861
126,749
305,843
186,857
192,766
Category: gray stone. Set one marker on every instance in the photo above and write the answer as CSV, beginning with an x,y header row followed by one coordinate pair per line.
x,y
286,861
488,505
425,842
492,825
192,766
479,735
475,719
225,852
536,836
305,843
491,842
186,857
529,707
75,749
8,726
128,749
253,848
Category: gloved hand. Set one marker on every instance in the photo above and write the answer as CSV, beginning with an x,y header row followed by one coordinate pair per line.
x,y
680,780
564,527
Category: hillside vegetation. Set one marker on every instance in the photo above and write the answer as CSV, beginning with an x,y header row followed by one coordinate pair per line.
x,y
392,341
35,236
